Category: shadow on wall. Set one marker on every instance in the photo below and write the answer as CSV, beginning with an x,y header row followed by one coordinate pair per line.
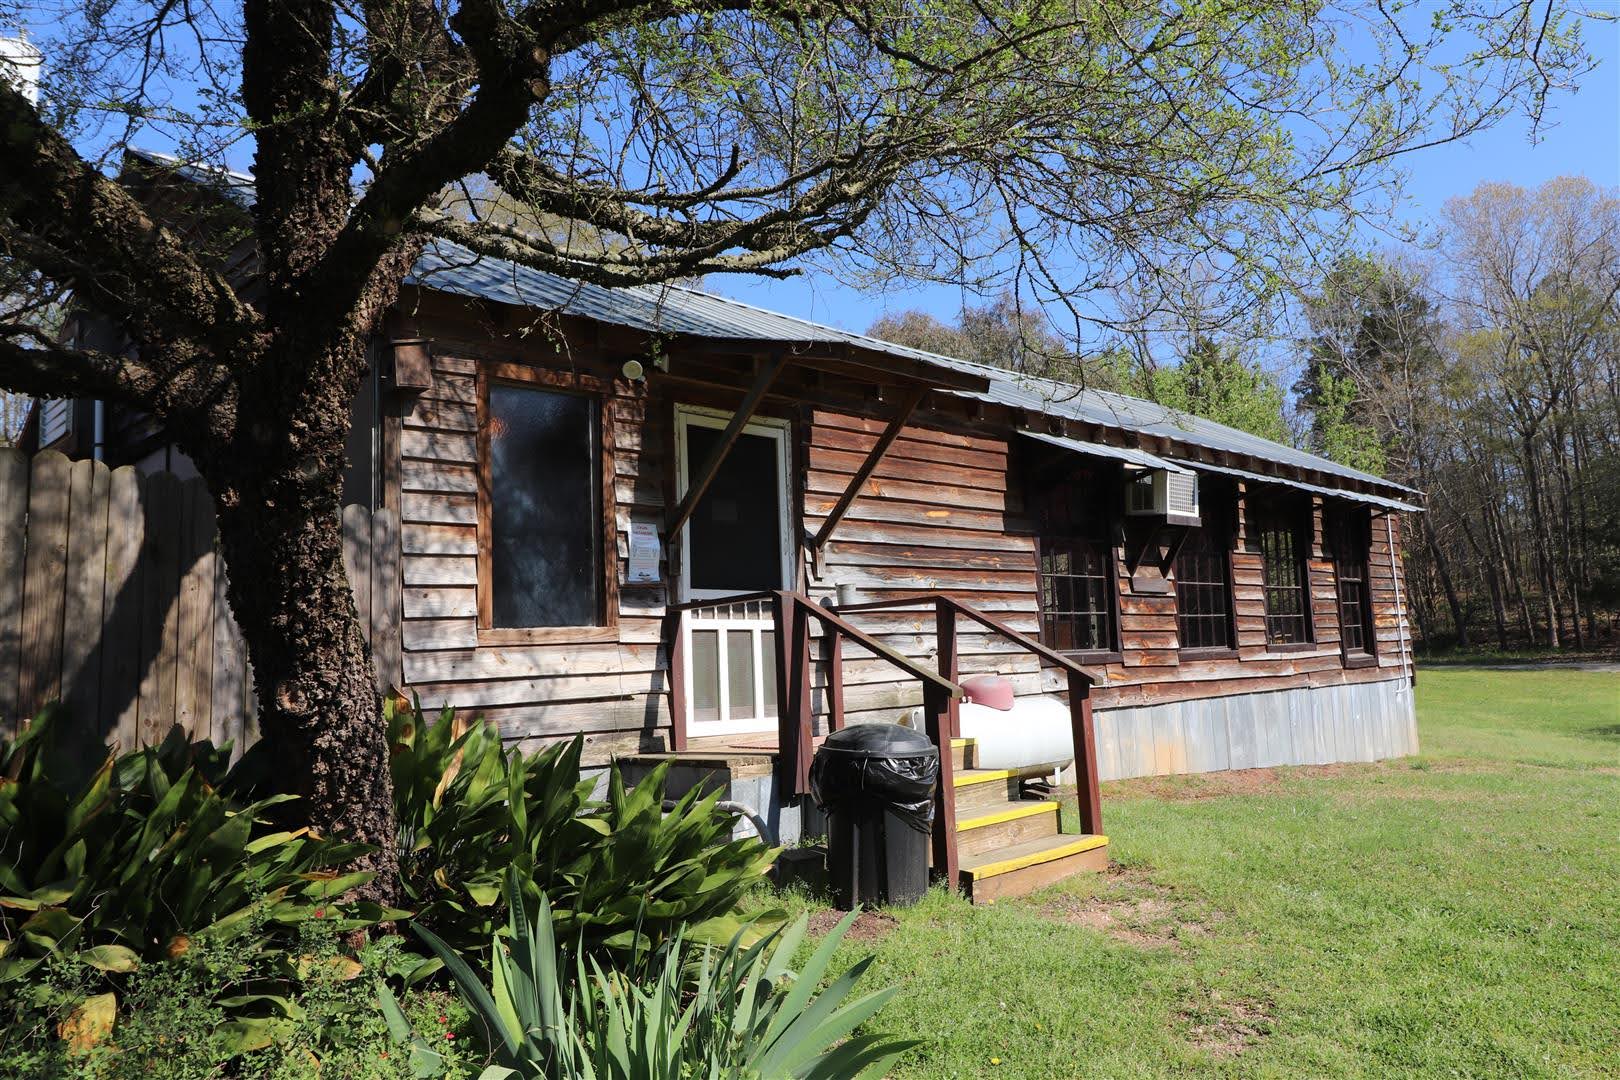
x,y
113,600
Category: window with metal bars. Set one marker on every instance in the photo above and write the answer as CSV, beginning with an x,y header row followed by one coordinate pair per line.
x,y
1075,510
1204,588
1351,537
1281,536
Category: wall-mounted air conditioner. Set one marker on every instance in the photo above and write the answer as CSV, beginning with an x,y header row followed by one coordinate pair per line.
x,y
1163,493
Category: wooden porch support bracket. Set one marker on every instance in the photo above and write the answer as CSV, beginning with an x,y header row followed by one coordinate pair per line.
x,y
728,438
908,406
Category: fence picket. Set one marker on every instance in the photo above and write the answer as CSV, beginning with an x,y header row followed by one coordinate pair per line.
x,y
86,583
44,578
121,623
13,519
114,597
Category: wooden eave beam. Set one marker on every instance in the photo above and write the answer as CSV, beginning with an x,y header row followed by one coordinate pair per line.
x,y
842,360
908,406
750,404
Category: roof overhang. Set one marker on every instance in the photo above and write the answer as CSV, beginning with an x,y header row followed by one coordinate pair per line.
x,y
1315,489
1139,458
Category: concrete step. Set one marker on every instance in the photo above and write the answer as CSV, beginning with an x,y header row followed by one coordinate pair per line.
x,y
1023,868
1003,828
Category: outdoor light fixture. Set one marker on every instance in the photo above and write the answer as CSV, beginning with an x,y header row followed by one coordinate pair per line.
x,y
633,370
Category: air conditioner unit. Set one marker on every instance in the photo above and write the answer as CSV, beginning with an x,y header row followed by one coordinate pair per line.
x,y
1162,493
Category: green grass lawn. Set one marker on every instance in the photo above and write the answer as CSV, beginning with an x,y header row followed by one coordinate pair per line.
x,y
1451,915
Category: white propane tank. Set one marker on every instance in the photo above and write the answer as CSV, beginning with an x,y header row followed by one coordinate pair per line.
x,y
1035,731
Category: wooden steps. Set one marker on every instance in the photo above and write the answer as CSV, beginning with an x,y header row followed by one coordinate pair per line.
x,y
1010,845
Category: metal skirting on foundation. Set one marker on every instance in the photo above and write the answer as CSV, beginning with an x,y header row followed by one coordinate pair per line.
x,y
1305,726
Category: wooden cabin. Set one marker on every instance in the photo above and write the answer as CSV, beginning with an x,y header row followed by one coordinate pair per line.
x,y
679,525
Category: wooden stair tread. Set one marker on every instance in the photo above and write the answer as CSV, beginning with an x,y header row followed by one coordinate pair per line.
x,y
1030,853
1013,812
970,777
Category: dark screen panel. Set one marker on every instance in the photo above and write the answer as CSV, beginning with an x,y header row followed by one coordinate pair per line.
x,y
735,531
545,561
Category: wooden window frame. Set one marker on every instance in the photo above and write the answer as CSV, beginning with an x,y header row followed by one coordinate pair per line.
x,y
1227,532
1339,519
1299,515
606,629
1110,542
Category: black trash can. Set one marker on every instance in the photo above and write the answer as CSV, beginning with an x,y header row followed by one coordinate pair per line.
x,y
876,784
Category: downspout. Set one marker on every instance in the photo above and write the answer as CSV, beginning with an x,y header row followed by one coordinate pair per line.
x,y
98,430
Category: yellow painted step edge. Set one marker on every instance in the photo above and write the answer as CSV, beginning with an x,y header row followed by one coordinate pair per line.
x,y
962,742
969,777
1035,858
1021,810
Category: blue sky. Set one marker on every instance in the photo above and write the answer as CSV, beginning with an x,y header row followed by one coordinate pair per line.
x,y
1583,140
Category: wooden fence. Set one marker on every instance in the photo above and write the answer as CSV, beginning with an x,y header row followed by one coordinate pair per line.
x,y
112,600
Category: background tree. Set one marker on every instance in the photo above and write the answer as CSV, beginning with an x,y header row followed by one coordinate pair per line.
x,y
1078,147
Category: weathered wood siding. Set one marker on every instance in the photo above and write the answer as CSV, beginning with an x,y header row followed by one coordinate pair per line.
x,y
614,692
942,512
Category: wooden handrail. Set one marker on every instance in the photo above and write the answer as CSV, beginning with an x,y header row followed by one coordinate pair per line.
x,y
1024,641
1080,681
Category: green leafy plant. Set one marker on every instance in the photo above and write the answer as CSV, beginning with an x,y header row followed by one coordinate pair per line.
x,y
732,1012
149,856
622,874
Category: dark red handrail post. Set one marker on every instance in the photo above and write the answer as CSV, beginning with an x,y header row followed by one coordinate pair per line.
x,y
937,718
677,683
945,637
786,770
803,732
835,678
1085,754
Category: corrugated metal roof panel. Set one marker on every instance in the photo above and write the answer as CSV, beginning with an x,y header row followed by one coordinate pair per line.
x,y
1118,453
1338,493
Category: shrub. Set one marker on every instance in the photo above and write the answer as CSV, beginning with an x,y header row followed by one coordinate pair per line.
x,y
622,874
148,858
746,1014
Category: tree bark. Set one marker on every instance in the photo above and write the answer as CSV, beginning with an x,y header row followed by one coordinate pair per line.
x,y
319,709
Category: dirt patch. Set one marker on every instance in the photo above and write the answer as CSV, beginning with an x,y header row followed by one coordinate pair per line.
x,y
869,925
1225,1028
1274,781
1137,911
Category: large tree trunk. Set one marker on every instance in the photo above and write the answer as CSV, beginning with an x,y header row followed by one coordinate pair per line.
x,y
318,702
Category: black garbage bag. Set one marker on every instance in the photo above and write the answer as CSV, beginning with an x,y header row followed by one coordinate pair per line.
x,y
882,763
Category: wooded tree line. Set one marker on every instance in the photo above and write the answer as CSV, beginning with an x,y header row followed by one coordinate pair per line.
x,y
1483,371
1487,375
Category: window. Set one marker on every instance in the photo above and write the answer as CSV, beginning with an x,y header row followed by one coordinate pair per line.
x,y
1204,585
1350,537
1283,540
1075,512
545,517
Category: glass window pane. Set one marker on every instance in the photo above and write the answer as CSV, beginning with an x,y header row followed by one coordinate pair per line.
x,y
705,675
545,526
740,672
735,532
767,656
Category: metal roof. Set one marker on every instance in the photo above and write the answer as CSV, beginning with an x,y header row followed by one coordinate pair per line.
x,y
1354,496
1119,453
673,309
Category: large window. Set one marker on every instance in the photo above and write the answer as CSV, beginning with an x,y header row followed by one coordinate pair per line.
x,y
1350,536
1282,534
545,517
1204,583
1075,509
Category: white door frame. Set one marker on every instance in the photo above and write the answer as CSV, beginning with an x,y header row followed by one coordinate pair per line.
x,y
754,619
769,426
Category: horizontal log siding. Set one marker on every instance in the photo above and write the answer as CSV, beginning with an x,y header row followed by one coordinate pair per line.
x,y
940,513
972,540
615,693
